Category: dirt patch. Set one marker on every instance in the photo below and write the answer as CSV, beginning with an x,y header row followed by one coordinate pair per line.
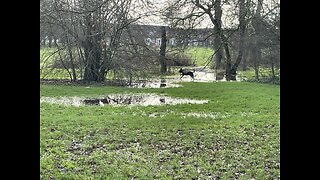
x,y
121,99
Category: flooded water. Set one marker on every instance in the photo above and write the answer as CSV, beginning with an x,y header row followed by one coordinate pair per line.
x,y
156,83
200,75
121,99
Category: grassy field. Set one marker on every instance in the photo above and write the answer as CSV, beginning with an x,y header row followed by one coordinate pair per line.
x,y
201,55
234,136
47,55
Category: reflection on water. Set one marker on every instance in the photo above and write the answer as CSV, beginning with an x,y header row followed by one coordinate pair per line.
x,y
121,99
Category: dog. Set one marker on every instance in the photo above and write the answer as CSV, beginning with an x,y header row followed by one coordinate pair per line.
x,y
185,72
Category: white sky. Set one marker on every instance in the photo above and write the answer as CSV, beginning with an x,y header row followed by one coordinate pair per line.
x,y
156,20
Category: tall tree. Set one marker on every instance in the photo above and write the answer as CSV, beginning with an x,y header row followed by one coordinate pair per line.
x,y
96,26
182,12
217,39
209,11
256,38
242,29
163,45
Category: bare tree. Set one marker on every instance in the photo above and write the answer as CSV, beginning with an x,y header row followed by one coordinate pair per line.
x,y
213,10
190,11
217,39
95,27
266,38
162,54
256,38
242,29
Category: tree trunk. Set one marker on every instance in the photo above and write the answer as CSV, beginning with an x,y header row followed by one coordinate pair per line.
x,y
272,68
256,50
256,69
217,39
244,61
224,43
256,56
242,28
73,70
92,58
50,41
93,53
228,55
162,57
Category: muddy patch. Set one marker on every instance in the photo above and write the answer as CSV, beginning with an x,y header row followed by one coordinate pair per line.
x,y
121,99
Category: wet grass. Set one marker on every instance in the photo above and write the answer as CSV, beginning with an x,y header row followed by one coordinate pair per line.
x,y
234,136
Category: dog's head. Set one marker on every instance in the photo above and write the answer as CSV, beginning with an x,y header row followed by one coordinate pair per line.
x,y
180,71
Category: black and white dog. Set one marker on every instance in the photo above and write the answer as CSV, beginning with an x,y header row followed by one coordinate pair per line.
x,y
185,72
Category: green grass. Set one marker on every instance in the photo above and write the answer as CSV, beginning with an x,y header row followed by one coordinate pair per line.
x,y
265,75
46,57
241,140
200,55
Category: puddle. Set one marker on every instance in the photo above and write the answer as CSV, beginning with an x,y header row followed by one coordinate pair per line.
x,y
156,83
121,99
211,115
201,75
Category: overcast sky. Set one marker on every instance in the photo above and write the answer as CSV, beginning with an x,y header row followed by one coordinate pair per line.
x,y
153,19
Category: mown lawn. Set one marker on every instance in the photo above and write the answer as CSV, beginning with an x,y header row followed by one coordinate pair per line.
x,y
234,136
